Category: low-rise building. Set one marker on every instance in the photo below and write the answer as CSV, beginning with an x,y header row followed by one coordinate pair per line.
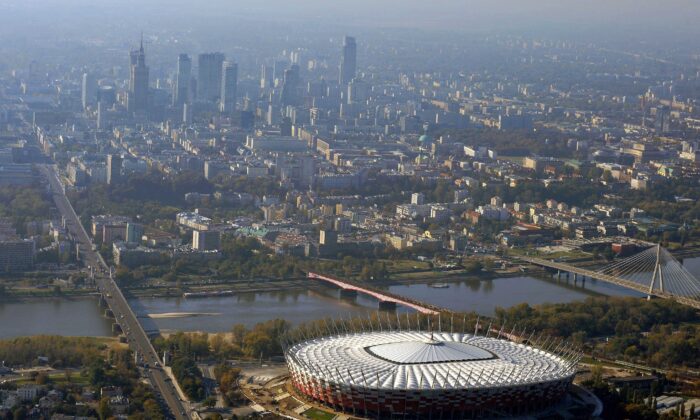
x,y
17,255
132,255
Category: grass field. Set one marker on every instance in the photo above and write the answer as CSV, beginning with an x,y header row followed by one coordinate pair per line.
x,y
60,378
316,414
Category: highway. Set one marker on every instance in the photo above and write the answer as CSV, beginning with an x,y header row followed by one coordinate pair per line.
x,y
124,316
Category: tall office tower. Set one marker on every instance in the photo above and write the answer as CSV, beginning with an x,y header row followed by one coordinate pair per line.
x,y
358,91
307,170
348,64
278,70
317,89
181,94
291,86
209,80
295,57
114,169
100,116
229,86
137,100
89,90
187,114
662,123
265,77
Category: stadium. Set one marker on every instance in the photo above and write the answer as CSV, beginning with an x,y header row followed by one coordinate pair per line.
x,y
419,374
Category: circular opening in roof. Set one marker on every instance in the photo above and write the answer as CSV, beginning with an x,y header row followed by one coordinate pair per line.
x,y
414,352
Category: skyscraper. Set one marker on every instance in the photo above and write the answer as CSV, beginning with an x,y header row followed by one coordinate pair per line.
x,y
662,123
181,94
209,76
100,116
266,79
278,70
137,100
114,169
229,86
89,90
291,86
348,63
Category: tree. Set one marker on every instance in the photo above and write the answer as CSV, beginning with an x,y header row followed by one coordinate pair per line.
x,y
238,332
41,379
151,409
257,344
19,414
103,410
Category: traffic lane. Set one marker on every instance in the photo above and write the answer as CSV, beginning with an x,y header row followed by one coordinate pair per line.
x,y
169,394
119,305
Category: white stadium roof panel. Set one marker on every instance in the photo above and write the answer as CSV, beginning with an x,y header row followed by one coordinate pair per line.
x,y
422,360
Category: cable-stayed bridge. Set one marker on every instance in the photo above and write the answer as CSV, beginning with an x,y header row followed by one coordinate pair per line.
x,y
654,272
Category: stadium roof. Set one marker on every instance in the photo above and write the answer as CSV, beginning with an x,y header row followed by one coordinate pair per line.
x,y
432,351
425,360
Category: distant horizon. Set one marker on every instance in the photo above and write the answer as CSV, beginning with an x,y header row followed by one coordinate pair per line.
x,y
534,16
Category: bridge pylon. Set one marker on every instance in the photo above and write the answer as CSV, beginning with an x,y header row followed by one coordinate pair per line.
x,y
658,273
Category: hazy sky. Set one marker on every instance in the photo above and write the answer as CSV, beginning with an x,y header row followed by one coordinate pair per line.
x,y
439,14
600,20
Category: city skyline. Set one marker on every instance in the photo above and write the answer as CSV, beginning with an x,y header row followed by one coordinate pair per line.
x,y
316,210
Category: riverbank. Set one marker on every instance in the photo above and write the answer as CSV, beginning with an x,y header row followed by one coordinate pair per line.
x,y
39,297
264,285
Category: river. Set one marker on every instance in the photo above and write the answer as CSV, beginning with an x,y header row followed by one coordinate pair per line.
x,y
77,317
82,317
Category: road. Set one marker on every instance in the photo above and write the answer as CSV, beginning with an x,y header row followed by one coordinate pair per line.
x,y
125,317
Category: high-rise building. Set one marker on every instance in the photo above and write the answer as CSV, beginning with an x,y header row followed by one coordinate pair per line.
x,y
114,169
209,76
662,123
291,86
100,116
358,91
181,94
278,70
137,100
266,79
89,90
206,240
229,86
348,63
134,232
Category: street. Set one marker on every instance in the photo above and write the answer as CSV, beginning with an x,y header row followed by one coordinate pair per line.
x,y
124,316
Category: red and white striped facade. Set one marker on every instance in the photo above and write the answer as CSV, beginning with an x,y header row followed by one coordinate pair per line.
x,y
411,374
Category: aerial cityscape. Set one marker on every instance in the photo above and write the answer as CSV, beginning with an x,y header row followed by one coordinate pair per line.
x,y
456,209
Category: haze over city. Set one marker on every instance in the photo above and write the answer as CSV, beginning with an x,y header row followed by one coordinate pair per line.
x,y
314,209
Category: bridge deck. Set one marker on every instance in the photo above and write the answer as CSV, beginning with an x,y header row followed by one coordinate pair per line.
x,y
379,295
610,279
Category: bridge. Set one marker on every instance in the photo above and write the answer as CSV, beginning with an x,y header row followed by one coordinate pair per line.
x,y
119,308
385,298
653,272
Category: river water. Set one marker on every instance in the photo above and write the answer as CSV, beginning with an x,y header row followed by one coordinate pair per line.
x,y
82,317
79,317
